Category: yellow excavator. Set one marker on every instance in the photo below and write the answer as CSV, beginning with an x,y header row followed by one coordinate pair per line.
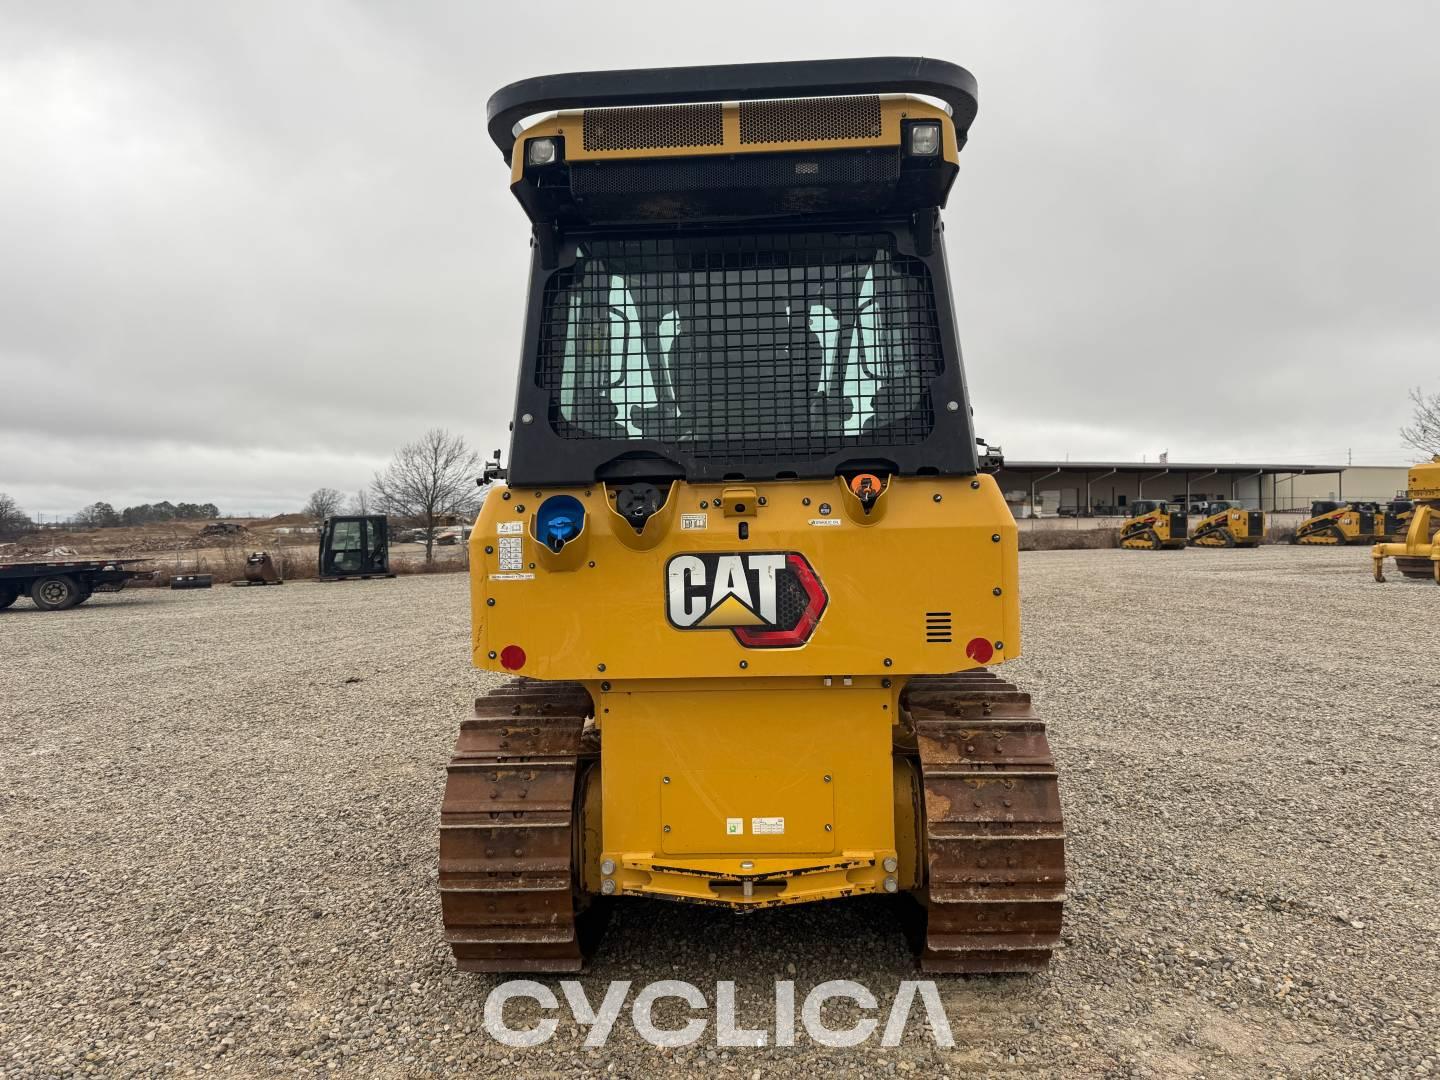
x,y
1228,525
1155,526
1333,522
744,571
1418,555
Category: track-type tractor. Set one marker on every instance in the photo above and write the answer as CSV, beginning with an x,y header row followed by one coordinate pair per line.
x,y
744,571
1418,555
1339,523
1155,526
1229,526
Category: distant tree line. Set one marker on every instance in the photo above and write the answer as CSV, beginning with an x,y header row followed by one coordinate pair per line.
x,y
102,515
13,521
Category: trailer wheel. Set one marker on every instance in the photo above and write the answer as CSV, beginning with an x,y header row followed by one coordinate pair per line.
x,y
56,593
8,595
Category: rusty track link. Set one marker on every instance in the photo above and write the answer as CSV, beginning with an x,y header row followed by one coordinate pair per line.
x,y
994,834
509,887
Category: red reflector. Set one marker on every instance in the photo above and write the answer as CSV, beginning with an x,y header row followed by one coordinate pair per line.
x,y
512,657
979,649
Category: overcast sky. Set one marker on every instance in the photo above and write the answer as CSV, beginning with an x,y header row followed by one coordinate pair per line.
x,y
246,249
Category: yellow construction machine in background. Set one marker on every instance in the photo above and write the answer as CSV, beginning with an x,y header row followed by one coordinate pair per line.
x,y
1155,526
1418,555
1340,523
1229,526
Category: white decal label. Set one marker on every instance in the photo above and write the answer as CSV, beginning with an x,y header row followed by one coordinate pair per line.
x,y
512,577
691,522
821,523
510,528
767,826
734,826
512,552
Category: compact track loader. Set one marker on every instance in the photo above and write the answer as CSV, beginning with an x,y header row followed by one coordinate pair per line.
x,y
1339,523
745,568
1393,520
1229,526
1155,526
1418,555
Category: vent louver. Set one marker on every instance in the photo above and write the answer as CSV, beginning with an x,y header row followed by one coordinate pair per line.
x,y
937,627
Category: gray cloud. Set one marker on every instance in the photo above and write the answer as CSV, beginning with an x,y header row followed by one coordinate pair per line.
x,y
246,250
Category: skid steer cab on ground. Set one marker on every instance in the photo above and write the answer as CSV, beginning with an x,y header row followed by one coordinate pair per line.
x,y
1154,526
1229,526
1340,523
356,546
1417,555
746,571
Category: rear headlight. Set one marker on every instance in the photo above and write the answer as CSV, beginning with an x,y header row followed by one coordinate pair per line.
x,y
541,151
924,140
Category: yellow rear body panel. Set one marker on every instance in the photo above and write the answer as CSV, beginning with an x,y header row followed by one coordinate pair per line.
x,y
786,784
933,566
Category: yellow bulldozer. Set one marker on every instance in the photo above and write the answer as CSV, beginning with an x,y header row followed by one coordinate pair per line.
x,y
1418,554
744,566
1155,526
1227,525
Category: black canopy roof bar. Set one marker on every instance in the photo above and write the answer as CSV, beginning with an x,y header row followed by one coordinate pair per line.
x,y
950,83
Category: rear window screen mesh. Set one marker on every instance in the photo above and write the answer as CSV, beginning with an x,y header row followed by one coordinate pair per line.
x,y
742,348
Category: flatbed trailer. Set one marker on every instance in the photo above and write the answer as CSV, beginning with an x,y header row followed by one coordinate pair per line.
x,y
58,585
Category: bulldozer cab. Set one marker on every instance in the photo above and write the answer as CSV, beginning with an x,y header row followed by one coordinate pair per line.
x,y
767,298
354,546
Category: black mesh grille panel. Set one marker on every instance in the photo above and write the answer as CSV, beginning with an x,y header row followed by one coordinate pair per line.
x,y
783,346
848,170
654,127
810,119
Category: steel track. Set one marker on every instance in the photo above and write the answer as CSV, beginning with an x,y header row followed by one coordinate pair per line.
x,y
994,833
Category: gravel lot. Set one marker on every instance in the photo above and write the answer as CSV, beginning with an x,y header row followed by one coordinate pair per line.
x,y
218,812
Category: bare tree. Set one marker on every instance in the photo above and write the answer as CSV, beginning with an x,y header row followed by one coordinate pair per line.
x,y
323,503
429,479
13,520
1423,433
359,503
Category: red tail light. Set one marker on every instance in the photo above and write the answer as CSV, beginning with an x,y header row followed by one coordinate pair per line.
x,y
980,650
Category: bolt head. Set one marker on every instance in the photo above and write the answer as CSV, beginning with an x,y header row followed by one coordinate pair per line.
x,y
891,885
607,866
607,887
891,864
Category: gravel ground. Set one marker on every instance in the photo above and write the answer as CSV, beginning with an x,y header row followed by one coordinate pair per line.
x,y
218,811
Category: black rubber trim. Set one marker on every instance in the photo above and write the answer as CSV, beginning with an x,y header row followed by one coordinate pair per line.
x,y
949,82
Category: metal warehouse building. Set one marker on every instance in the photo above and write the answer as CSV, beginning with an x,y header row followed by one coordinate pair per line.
x,y
1106,488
